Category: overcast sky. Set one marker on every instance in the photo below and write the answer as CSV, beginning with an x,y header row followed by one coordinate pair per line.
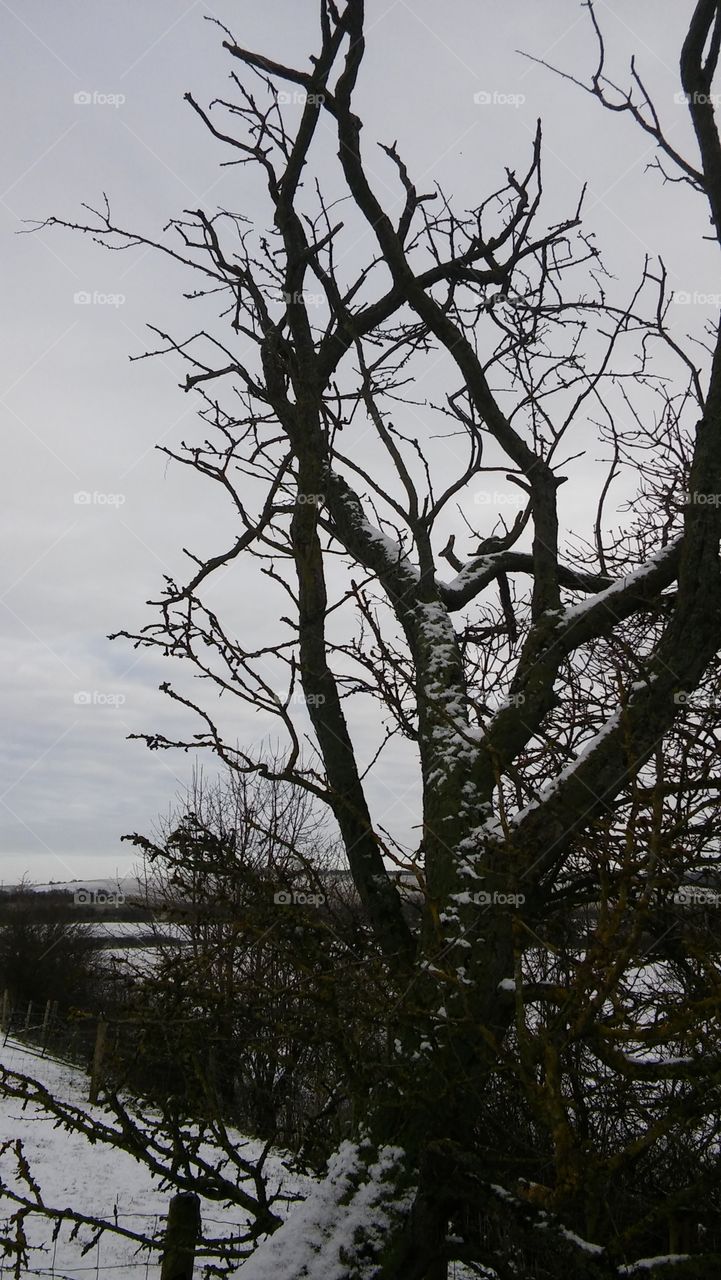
x,y
93,103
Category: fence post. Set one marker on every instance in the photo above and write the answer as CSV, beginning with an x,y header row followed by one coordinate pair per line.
x,y
46,1024
181,1236
53,1018
9,1013
97,1068
5,1015
28,1016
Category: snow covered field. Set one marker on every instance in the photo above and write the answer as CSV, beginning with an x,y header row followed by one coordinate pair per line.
x,y
95,1179
106,1183
134,929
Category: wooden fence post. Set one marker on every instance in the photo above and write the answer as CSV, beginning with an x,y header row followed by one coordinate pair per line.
x,y
8,1015
181,1237
28,1016
96,1073
46,1024
5,1015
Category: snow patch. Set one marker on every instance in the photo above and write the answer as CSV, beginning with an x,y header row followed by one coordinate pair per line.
x,y
321,1232
577,610
648,1264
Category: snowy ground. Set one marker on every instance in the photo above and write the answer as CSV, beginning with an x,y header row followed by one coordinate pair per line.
x,y
94,1179
101,1181
134,929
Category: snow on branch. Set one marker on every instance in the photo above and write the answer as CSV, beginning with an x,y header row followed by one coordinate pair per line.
x,y
319,1241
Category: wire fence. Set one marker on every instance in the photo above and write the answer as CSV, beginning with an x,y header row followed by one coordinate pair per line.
x,y
66,1262
239,1072
139,1050
67,1258
44,1029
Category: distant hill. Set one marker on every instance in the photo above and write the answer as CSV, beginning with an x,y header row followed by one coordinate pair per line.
x,y
130,886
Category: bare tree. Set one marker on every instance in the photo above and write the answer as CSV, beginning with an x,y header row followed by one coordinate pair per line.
x,y
550,687
251,1000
